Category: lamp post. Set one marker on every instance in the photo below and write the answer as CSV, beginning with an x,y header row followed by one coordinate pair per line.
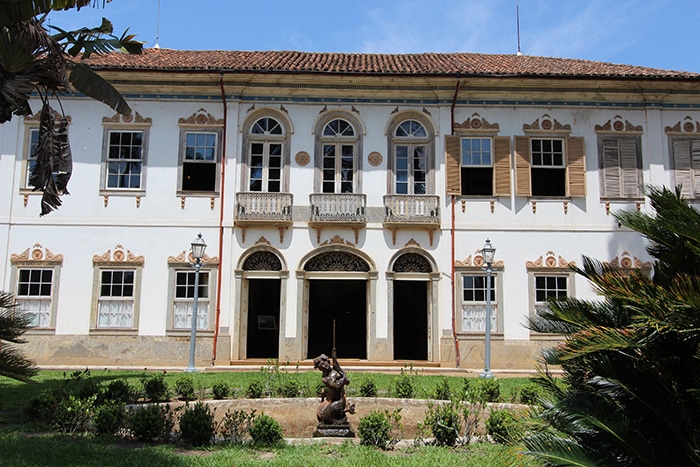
x,y
488,252
198,246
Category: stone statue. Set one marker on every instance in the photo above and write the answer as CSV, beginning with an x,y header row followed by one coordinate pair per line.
x,y
331,414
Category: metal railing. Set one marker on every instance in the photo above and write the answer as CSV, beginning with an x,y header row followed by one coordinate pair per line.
x,y
264,207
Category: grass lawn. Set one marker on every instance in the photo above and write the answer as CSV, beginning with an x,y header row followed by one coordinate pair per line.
x,y
27,444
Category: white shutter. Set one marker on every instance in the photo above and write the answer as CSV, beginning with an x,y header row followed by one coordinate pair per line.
x,y
611,167
682,167
629,166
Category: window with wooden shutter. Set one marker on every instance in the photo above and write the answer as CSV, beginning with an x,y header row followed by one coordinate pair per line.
x,y
522,166
619,161
453,183
501,166
686,165
576,166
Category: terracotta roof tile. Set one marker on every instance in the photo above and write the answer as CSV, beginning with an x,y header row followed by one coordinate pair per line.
x,y
386,64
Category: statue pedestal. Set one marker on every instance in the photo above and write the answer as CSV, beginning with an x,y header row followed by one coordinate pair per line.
x,y
334,431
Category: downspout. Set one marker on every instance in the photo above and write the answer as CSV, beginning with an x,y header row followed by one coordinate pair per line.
x,y
452,238
221,221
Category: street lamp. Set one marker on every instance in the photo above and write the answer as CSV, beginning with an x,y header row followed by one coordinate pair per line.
x,y
198,246
488,252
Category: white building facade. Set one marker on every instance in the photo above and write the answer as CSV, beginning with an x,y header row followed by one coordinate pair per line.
x,y
344,199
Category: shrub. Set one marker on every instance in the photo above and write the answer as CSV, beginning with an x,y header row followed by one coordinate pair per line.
x,y
376,428
151,422
197,425
530,394
184,387
155,387
265,431
221,390
255,389
234,425
405,386
368,388
42,407
502,426
445,422
73,414
110,418
81,384
119,391
290,388
486,390
442,390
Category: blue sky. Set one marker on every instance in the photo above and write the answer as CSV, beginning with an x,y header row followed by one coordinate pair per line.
x,y
655,33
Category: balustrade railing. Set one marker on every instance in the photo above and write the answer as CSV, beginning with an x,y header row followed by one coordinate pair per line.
x,y
264,207
338,207
413,209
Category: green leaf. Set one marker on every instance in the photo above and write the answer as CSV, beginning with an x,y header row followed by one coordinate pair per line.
x,y
85,80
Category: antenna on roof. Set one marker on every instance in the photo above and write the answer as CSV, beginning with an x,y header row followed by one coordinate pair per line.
x,y
517,23
156,46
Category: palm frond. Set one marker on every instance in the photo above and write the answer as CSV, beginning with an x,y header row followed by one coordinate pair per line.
x,y
85,80
13,11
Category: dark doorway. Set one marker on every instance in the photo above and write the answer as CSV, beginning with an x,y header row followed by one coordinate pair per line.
x,y
263,318
410,320
344,301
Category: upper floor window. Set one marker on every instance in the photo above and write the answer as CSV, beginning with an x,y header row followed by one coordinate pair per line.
x,y
550,167
125,148
620,164
478,165
685,160
199,162
266,156
338,159
35,274
30,155
411,146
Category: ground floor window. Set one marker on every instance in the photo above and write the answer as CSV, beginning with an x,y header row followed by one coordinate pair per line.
x,y
34,294
115,305
475,288
183,301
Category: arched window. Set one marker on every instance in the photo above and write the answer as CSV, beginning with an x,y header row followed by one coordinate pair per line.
x,y
410,150
266,161
338,153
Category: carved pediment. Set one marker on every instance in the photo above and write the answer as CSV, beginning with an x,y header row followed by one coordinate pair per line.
x,y
201,117
186,257
477,123
547,124
36,253
626,261
550,260
686,126
617,124
118,255
133,117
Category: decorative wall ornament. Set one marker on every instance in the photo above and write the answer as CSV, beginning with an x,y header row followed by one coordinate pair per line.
x,y
302,158
26,199
354,109
412,262
37,253
617,124
550,260
374,159
37,117
284,109
183,198
477,262
547,124
426,111
323,110
133,117
336,261
412,242
138,201
201,117
186,257
263,241
212,202
626,261
337,240
395,111
477,123
250,109
688,125
262,261
118,255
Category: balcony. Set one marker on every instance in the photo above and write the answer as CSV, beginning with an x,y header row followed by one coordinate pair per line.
x,y
345,210
412,212
262,209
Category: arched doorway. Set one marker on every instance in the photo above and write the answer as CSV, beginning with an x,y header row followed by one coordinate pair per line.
x,y
260,320
337,301
412,290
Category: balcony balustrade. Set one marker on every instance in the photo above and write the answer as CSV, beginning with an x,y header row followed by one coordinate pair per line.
x,y
412,212
338,210
262,209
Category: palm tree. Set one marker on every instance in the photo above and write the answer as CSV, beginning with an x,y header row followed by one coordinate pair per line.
x,y
34,60
631,361
13,323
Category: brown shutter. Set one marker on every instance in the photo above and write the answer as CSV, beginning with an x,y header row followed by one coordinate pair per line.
x,y
611,167
501,166
576,166
453,182
630,167
681,162
522,166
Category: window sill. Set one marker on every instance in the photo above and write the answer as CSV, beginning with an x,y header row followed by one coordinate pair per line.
x,y
113,332
479,336
116,192
198,194
40,331
604,199
537,336
188,332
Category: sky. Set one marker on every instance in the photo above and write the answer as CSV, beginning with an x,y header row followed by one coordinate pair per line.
x,y
652,33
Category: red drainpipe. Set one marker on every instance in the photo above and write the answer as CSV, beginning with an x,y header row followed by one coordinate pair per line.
x,y
221,222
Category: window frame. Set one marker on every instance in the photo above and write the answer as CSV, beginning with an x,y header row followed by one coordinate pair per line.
x,y
501,165
621,171
693,175
338,141
103,299
266,139
176,266
185,131
411,142
496,310
109,126
31,128
558,272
